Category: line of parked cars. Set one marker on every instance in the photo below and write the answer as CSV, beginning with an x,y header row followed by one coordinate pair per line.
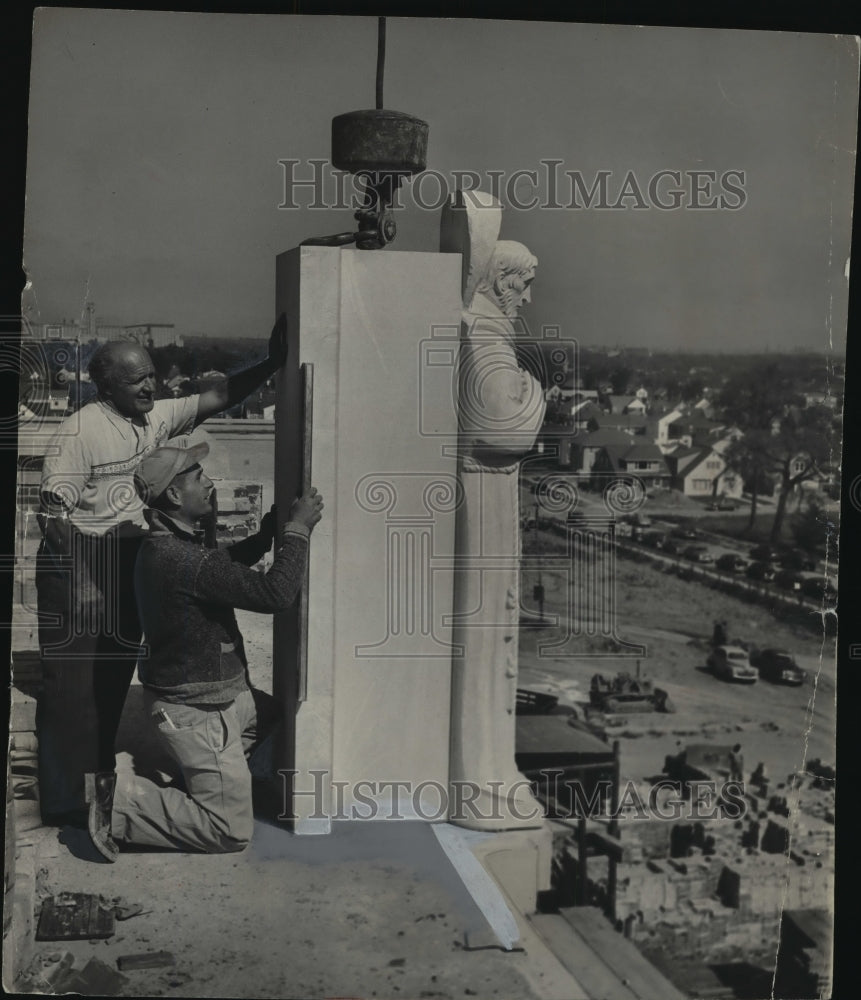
x,y
736,663
785,568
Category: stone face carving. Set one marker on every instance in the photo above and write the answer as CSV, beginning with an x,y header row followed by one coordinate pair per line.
x,y
501,408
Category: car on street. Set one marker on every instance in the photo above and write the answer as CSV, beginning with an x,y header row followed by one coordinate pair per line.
x,y
685,531
761,571
698,553
792,559
638,520
789,580
732,663
819,588
722,503
777,666
763,553
730,562
652,538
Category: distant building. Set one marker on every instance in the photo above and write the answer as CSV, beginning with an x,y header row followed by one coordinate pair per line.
x,y
146,334
662,424
642,460
631,423
578,452
695,470
627,404
694,429
824,398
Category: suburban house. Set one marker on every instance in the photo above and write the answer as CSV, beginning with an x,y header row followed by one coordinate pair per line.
x,y
694,429
694,471
627,404
579,451
821,477
661,424
706,408
643,460
566,387
586,411
631,423
822,398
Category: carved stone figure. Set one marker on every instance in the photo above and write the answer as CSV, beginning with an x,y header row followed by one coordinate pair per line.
x,y
501,408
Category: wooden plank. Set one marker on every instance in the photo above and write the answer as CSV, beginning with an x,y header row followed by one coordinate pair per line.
x,y
620,954
307,437
145,960
598,979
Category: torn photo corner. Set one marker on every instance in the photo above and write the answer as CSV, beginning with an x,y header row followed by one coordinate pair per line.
x,y
521,389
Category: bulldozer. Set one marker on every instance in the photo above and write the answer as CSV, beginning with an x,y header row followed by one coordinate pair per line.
x,y
624,693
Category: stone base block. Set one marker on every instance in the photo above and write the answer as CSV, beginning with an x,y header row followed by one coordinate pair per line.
x,y
519,862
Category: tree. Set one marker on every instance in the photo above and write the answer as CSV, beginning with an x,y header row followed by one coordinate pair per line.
x,y
795,453
691,389
813,528
745,455
781,437
619,379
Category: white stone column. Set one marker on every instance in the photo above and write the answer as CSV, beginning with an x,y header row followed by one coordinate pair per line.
x,y
375,702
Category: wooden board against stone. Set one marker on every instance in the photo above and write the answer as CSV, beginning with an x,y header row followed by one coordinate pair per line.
x,y
619,954
307,438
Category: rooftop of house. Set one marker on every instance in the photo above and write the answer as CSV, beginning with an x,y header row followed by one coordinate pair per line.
x,y
644,453
634,423
603,437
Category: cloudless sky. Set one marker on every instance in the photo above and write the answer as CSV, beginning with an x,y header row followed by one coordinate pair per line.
x,y
155,138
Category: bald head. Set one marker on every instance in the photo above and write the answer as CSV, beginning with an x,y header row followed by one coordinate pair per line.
x,y
124,375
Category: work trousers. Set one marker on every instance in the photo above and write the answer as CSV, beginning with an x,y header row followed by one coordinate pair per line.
x,y
89,636
211,745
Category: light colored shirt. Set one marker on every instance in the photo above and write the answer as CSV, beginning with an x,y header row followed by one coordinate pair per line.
x,y
90,462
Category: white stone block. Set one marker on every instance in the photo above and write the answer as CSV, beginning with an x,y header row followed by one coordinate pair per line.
x,y
381,331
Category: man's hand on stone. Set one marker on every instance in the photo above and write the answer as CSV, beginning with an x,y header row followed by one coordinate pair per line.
x,y
308,509
278,342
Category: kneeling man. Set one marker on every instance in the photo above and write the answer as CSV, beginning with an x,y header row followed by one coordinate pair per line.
x,y
192,667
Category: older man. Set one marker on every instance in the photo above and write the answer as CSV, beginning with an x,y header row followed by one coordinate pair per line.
x,y
92,520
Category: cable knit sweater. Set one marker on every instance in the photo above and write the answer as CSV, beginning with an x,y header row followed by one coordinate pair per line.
x,y
186,593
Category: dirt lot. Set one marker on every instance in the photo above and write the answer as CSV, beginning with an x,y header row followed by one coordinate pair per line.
x,y
672,619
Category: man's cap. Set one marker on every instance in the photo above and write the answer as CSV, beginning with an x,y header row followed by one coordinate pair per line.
x,y
157,471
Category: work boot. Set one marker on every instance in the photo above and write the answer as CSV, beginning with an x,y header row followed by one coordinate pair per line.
x,y
99,792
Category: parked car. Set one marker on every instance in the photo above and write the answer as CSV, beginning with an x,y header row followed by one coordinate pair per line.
x,y
730,562
639,520
761,571
763,553
668,545
722,503
685,531
819,588
732,663
698,553
792,559
778,666
786,579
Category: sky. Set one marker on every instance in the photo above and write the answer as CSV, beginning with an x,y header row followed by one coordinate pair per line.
x,y
154,186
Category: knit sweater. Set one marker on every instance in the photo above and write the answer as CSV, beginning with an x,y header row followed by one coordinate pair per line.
x,y
186,593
